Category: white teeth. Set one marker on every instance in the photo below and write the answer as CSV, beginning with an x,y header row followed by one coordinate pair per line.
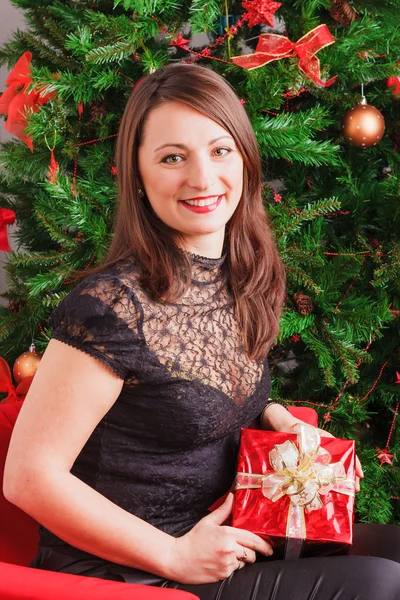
x,y
206,202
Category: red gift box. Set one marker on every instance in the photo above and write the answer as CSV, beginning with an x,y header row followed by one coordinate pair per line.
x,y
296,491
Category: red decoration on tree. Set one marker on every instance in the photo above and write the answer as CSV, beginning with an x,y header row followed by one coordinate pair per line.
x,y
384,456
274,47
15,394
7,217
395,82
397,377
15,100
277,198
179,42
53,169
260,11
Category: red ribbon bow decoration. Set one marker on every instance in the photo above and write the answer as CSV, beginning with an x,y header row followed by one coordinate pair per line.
x,y
6,385
7,217
274,47
15,100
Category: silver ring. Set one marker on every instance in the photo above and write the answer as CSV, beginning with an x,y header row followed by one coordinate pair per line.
x,y
244,555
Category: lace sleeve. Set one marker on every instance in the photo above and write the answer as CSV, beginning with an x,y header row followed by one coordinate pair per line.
x,y
98,317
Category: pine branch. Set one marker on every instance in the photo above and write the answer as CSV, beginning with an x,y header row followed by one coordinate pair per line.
x,y
46,53
37,260
293,222
47,282
116,52
299,278
323,356
292,323
149,7
288,136
9,323
203,14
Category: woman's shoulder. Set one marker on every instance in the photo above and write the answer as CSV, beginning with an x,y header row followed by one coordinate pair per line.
x,y
100,293
99,317
115,278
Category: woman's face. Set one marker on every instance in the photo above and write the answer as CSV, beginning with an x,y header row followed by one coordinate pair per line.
x,y
192,174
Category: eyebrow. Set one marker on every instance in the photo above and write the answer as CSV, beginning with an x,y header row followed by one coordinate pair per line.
x,y
178,145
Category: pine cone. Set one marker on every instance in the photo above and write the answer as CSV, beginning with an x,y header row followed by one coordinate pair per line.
x,y
303,303
343,13
98,108
15,305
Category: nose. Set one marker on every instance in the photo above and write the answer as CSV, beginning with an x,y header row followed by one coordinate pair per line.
x,y
201,173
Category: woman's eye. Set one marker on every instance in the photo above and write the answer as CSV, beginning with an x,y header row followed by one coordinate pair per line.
x,y
222,151
172,159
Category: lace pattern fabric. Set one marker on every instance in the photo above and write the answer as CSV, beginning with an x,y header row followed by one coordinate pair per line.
x,y
167,448
198,336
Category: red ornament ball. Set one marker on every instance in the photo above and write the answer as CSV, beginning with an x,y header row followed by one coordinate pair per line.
x,y
363,126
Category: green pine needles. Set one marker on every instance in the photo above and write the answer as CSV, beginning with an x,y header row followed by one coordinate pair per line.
x,y
334,209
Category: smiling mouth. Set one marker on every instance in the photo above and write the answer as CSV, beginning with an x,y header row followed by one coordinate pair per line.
x,y
203,201
203,205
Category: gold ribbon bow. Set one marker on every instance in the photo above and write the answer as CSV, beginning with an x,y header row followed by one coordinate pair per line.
x,y
304,473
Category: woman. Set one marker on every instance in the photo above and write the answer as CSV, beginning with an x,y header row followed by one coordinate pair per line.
x,y
158,358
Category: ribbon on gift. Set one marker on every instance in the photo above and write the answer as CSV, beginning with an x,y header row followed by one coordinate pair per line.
x,y
16,100
7,217
14,394
303,472
274,47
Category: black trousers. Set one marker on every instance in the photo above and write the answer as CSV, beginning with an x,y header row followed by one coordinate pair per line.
x,y
370,572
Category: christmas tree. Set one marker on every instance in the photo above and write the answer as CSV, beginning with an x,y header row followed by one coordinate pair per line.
x,y
331,184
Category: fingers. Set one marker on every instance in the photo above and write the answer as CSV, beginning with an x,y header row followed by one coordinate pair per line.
x,y
251,541
246,556
359,471
324,433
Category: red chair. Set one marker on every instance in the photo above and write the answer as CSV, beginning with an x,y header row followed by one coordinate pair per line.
x,y
19,539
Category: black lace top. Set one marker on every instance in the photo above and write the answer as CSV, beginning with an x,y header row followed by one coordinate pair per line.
x,y
167,448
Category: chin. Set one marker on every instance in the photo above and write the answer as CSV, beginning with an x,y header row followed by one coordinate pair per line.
x,y
206,231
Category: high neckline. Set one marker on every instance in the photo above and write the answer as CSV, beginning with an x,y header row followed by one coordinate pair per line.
x,y
207,262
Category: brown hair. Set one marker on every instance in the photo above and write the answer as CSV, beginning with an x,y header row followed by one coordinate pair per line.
x,y
256,274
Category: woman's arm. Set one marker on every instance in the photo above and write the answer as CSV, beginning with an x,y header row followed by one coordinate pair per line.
x,y
69,395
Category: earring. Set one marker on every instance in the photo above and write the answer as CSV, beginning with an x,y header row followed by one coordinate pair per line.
x,y
140,192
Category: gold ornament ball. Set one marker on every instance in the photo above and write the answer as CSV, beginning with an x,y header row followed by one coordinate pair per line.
x,y
363,126
26,365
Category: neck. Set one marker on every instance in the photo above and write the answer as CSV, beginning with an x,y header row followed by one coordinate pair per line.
x,y
210,245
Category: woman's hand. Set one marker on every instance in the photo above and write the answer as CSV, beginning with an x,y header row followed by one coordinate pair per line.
x,y
211,551
277,418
